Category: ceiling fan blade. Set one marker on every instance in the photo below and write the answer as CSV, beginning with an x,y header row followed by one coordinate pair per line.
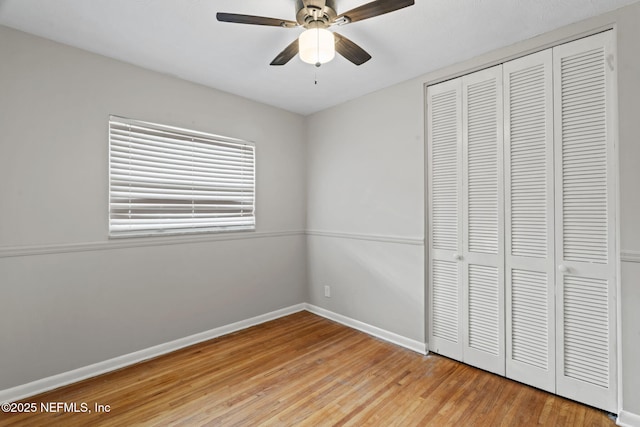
x,y
254,20
375,8
350,50
286,55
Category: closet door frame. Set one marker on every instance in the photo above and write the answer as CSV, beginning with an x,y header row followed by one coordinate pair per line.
x,y
566,384
612,399
447,258
526,260
478,261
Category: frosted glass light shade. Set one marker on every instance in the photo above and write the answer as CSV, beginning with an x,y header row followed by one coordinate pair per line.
x,y
317,46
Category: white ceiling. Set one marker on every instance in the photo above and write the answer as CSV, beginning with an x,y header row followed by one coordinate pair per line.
x,y
183,38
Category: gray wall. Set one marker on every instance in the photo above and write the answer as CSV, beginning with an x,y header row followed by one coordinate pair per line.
x,y
88,299
365,178
628,20
366,209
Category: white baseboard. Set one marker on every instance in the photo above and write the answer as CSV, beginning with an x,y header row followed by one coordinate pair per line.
x,y
45,384
385,335
628,419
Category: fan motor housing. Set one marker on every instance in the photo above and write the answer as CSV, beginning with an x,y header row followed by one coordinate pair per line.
x,y
318,13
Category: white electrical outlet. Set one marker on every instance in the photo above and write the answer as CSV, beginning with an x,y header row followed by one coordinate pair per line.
x,y
327,291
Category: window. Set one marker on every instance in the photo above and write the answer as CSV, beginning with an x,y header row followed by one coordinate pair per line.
x,y
167,180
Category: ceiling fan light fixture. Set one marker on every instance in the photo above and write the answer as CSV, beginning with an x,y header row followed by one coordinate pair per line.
x,y
317,46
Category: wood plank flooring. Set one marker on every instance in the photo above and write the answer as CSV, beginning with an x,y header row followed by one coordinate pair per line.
x,y
303,370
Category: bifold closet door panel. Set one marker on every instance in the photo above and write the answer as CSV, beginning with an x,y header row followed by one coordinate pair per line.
x,y
529,220
483,219
584,107
444,153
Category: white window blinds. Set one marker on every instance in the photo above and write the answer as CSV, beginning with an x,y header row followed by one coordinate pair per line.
x,y
167,180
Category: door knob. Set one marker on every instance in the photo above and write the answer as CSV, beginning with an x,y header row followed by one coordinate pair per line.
x,y
457,257
563,268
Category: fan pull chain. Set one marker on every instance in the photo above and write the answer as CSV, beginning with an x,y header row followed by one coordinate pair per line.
x,y
318,48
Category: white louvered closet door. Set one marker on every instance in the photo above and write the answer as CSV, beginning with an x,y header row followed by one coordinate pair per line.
x,y
483,216
529,220
584,105
444,152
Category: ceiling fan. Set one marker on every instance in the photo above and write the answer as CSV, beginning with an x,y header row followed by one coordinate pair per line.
x,y
317,45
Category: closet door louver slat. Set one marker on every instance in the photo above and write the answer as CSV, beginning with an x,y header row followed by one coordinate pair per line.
x,y
445,165
529,325
445,300
586,330
484,327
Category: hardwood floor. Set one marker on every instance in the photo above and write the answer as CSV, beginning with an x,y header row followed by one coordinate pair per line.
x,y
303,370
